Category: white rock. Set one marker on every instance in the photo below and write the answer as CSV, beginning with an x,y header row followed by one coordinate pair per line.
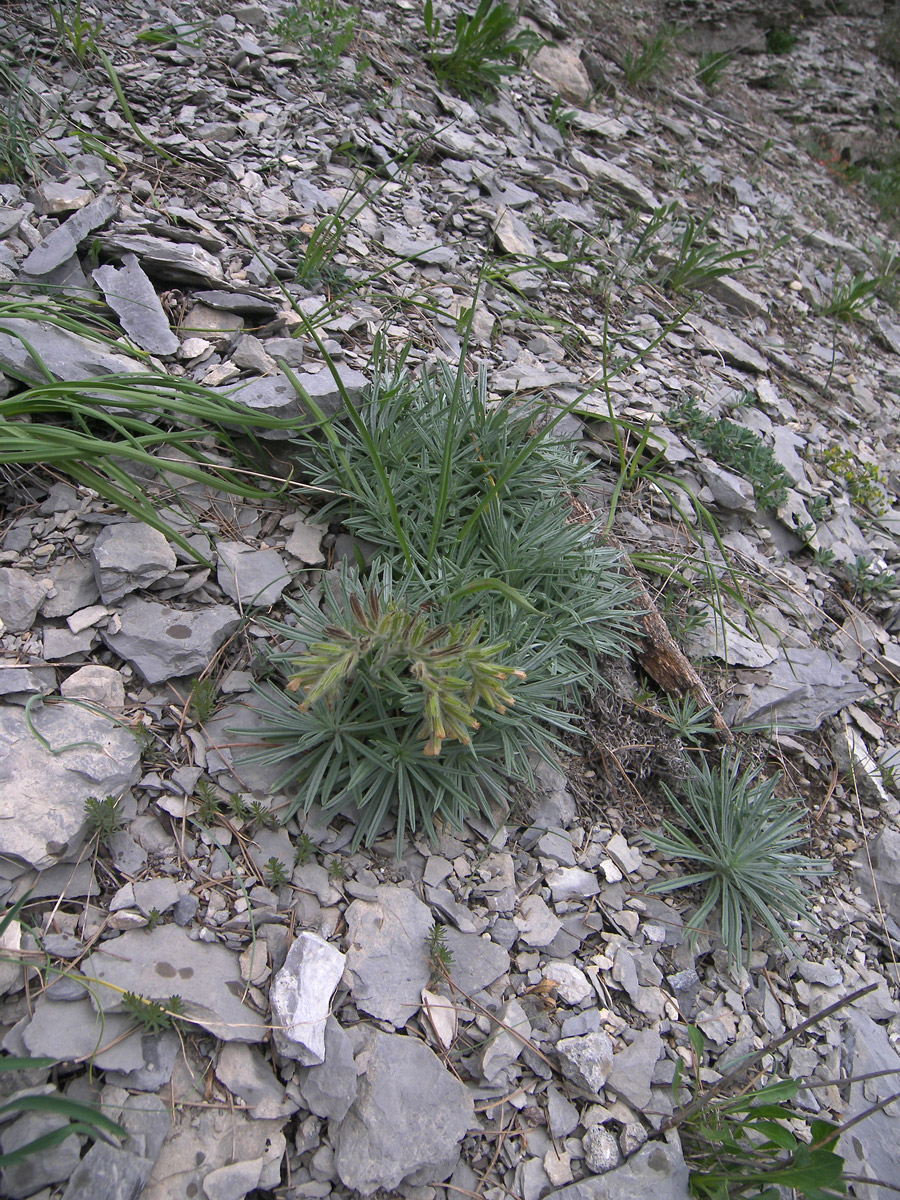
x,y
301,998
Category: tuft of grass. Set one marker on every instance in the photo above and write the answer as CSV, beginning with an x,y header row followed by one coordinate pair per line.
x,y
849,300
481,50
711,67
697,263
203,700
741,839
77,35
780,40
324,30
19,126
487,559
644,66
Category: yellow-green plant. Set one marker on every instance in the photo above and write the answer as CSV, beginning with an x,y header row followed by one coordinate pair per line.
x,y
482,49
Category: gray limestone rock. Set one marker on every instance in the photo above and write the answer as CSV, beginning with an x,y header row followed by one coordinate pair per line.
x,y
800,689
98,684
62,243
36,1171
276,396
619,180
477,961
254,578
19,682
21,595
71,1029
247,1075
536,924
163,642
505,1044
730,490
108,1173
632,1069
127,556
408,1119
301,998
884,853
571,883
75,585
657,1170
870,1147
65,355
513,235
564,71
586,1060
164,962
735,296
131,295
183,262
159,1051
732,349
328,1090
386,954
601,1150
44,784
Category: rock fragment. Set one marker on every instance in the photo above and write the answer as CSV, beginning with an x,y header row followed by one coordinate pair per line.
x,y
301,998
131,295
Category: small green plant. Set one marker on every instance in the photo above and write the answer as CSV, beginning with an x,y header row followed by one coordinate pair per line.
x,y
237,806
77,34
152,1015
154,916
440,956
870,577
19,127
824,559
758,1143
203,700
697,264
742,840
560,117
449,669
641,67
850,300
711,67
209,803
734,446
104,818
304,848
481,51
337,872
780,40
259,814
818,509
275,872
687,719
864,480
406,711
323,28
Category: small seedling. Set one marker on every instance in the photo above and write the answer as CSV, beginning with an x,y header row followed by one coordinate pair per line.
x,y
154,916
276,872
259,815
151,1015
104,818
440,956
237,806
687,719
824,559
560,117
209,802
303,851
337,871
203,699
